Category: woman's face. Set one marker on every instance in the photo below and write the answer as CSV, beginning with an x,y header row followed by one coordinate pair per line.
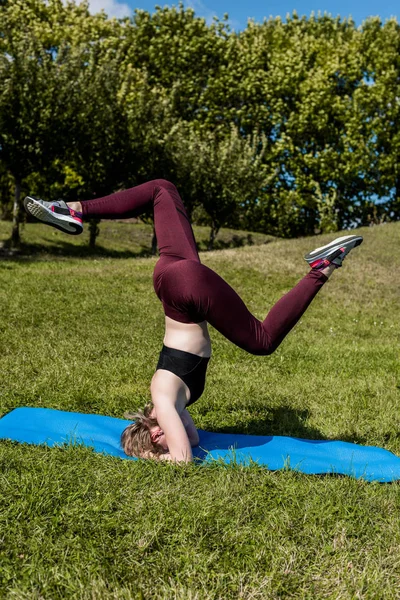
x,y
158,436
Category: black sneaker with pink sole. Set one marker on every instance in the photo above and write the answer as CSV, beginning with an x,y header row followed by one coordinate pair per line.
x,y
333,253
56,213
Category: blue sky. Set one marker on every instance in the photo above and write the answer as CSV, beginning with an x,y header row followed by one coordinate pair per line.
x,y
239,10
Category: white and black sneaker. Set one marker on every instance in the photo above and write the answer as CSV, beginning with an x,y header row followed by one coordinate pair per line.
x,y
57,214
333,253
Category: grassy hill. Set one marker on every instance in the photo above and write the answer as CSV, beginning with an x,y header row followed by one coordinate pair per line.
x,y
117,239
83,334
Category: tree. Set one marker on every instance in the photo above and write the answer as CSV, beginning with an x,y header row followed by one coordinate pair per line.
x,y
89,105
56,72
224,173
179,53
305,74
381,106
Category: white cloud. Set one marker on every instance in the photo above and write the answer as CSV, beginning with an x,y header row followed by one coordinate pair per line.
x,y
111,7
202,10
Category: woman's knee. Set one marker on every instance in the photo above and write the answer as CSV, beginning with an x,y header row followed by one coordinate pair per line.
x,y
163,184
259,349
259,344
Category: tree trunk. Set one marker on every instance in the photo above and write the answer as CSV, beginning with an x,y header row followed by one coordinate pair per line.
x,y
154,243
94,231
397,199
15,235
6,212
213,234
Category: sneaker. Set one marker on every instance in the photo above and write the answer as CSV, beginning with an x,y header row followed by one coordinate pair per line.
x,y
333,253
57,214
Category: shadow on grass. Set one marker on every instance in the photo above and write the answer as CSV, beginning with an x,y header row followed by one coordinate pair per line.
x,y
31,252
290,422
365,440
63,249
282,420
236,241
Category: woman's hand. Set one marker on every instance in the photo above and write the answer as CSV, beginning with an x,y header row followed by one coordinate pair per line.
x,y
151,455
165,456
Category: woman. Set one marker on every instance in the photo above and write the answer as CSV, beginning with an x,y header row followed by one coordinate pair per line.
x,y
192,296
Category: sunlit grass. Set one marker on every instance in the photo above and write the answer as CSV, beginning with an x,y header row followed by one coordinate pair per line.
x,y
83,334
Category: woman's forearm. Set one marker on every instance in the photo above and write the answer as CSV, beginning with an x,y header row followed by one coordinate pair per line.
x,y
190,427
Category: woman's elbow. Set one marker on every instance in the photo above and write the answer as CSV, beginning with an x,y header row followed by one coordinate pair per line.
x,y
194,439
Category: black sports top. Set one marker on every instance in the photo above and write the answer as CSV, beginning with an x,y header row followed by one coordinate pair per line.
x,y
188,367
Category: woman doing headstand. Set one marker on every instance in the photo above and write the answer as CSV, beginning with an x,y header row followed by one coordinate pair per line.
x,y
192,295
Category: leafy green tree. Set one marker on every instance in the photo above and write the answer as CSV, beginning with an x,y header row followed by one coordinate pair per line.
x,y
179,53
56,71
381,106
305,73
25,128
224,174
89,105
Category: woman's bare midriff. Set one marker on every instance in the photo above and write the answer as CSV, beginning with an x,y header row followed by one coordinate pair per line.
x,y
189,337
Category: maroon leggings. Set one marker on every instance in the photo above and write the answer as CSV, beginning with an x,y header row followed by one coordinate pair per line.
x,y
191,292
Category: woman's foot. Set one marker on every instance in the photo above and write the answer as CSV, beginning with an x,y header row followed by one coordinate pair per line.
x,y
57,214
333,253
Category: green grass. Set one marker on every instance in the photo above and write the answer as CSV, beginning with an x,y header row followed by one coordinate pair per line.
x,y
83,334
117,239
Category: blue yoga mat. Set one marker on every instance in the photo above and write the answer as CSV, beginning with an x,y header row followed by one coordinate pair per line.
x,y
54,427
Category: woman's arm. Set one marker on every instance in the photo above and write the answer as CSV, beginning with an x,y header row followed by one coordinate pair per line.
x,y
190,428
177,439
166,388
191,433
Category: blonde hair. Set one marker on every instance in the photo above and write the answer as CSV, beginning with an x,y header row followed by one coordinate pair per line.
x,y
136,438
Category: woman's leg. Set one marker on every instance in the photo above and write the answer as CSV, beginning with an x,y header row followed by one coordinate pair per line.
x,y
174,233
172,226
206,296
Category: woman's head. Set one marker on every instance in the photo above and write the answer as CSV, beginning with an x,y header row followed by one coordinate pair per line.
x,y
144,435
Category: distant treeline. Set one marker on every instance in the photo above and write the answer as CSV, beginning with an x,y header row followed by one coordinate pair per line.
x,y
288,128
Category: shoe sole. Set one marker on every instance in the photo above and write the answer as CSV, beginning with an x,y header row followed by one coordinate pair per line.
x,y
43,214
348,242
